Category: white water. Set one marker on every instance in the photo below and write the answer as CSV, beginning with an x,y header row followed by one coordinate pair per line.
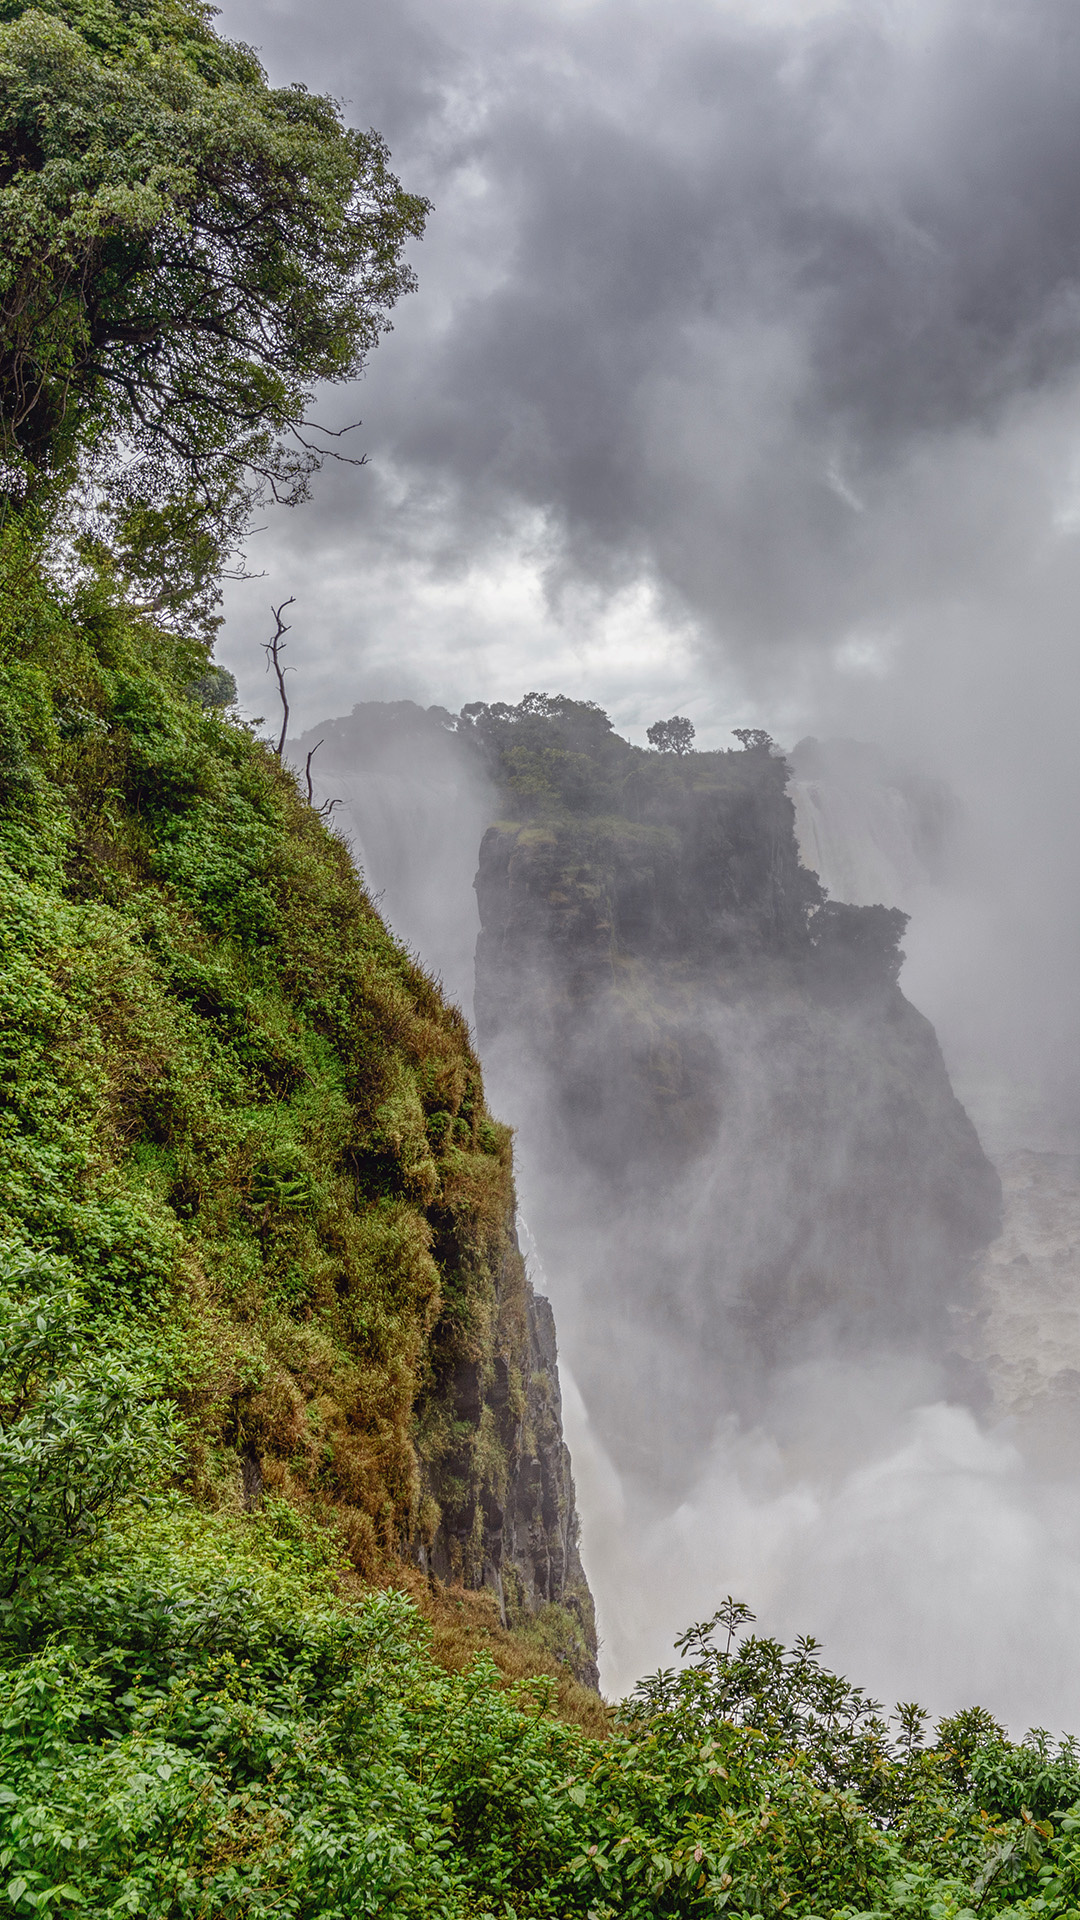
x,y
859,830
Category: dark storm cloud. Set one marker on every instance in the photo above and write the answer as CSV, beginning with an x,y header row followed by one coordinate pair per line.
x,y
700,285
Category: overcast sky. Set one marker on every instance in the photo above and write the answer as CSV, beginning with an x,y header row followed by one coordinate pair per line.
x,y
742,376
743,381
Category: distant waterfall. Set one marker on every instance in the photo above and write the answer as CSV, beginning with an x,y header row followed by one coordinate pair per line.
x,y
874,834
859,840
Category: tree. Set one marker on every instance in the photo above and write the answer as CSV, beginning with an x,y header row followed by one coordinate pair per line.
x,y
671,736
185,252
754,739
214,690
78,1431
858,946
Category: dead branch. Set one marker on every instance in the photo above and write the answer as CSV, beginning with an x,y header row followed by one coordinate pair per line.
x,y
273,649
328,806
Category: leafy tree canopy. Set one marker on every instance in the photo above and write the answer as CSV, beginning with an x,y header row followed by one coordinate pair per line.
x,y
671,736
185,253
858,945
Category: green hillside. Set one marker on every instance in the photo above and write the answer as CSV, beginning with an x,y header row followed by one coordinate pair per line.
x,y
292,1621
235,1108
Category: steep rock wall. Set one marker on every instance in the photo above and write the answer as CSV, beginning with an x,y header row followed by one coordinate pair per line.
x,y
744,1149
497,1472
246,1127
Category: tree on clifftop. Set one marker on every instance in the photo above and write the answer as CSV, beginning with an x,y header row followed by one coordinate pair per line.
x,y
185,253
671,736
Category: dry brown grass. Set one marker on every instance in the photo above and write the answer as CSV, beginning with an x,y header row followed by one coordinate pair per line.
x,y
465,1622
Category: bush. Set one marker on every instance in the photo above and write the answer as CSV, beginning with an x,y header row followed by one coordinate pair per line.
x,y
197,1733
78,1429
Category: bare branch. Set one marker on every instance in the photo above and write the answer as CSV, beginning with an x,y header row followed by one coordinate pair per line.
x,y
272,649
328,806
332,433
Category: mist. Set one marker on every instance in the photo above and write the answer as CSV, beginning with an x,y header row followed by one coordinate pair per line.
x,y
848,1463
412,812
934,1563
743,382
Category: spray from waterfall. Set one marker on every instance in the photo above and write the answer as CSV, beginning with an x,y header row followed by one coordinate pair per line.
x,y
861,1495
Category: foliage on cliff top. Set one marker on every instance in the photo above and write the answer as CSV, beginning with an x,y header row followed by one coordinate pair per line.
x,y
625,820
554,758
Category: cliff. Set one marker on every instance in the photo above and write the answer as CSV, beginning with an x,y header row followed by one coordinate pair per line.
x,y
245,1136
494,1458
745,1150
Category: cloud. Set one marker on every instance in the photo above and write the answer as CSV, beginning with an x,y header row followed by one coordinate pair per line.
x,y
743,381
706,290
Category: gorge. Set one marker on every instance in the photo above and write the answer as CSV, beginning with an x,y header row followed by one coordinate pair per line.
x,y
763,1215
490,1211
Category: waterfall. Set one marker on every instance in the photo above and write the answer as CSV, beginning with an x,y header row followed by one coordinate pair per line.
x,y
872,832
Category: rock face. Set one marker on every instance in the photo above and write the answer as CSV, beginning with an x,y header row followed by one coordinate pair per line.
x,y
540,1528
497,1505
742,1143
503,1483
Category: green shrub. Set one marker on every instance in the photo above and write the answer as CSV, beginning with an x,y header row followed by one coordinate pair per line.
x,y
192,1731
78,1428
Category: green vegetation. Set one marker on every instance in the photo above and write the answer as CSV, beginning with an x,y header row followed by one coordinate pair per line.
x,y
636,841
554,759
672,856
255,1219
671,736
200,1728
242,1128
185,252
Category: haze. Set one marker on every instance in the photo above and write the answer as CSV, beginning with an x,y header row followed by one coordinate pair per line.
x,y
743,381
